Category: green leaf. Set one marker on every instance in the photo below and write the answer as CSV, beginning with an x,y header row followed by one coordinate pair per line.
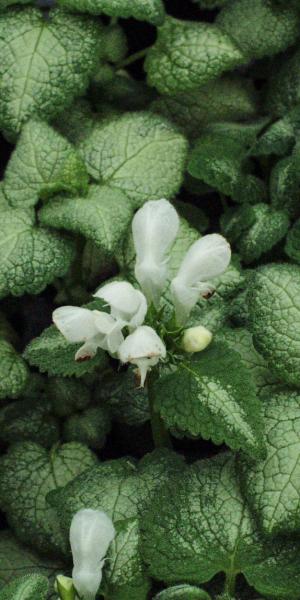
x,y
33,472
49,61
89,427
126,402
119,487
259,28
115,43
52,354
271,485
28,587
103,216
278,574
3,200
125,575
283,86
224,99
254,229
30,256
143,10
13,371
274,308
284,186
42,164
279,138
67,395
212,314
17,560
240,340
182,592
77,122
139,153
197,525
220,159
28,420
120,92
194,215
212,395
292,244
188,54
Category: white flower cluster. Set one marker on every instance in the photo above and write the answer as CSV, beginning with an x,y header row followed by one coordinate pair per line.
x,y
154,227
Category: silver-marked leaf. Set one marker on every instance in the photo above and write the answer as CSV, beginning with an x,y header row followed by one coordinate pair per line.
x,y
143,10
28,473
44,63
43,164
103,216
30,256
140,153
188,54
271,485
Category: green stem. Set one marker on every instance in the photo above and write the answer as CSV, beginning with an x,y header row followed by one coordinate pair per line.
x,y
131,59
230,584
160,435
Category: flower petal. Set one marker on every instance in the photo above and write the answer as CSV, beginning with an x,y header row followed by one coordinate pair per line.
x,y
154,228
75,323
126,302
87,351
142,343
91,533
110,335
207,258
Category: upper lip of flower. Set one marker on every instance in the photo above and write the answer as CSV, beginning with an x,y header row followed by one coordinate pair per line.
x,y
155,227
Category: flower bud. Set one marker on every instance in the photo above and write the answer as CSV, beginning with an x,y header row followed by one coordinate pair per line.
x,y
196,339
65,588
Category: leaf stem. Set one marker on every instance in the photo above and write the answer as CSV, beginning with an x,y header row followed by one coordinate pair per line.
x,y
132,58
230,583
160,435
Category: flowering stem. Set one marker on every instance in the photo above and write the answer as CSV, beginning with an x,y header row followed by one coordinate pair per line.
x,y
160,435
131,59
230,584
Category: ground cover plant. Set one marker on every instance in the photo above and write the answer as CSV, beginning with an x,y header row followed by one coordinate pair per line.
x,y
150,300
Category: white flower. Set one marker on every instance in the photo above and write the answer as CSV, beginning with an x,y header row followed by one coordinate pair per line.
x,y
143,348
126,303
154,228
207,258
96,329
91,533
196,339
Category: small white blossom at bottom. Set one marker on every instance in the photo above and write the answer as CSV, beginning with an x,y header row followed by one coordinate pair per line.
x,y
91,533
95,328
143,348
